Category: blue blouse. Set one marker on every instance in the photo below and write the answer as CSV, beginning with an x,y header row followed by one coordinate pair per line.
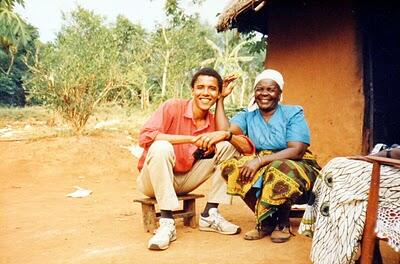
x,y
286,124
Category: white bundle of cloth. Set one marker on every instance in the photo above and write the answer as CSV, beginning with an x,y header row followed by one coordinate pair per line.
x,y
336,219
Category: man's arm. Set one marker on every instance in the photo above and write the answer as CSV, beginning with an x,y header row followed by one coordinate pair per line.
x,y
233,132
222,122
241,142
234,135
175,139
158,123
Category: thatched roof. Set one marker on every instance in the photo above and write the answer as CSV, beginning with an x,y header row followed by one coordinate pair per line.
x,y
246,15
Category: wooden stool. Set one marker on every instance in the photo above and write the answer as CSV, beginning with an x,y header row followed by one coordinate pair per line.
x,y
188,213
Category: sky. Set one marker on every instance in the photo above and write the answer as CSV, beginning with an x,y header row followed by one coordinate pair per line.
x,y
46,15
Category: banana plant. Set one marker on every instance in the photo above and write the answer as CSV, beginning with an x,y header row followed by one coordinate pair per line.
x,y
228,60
13,31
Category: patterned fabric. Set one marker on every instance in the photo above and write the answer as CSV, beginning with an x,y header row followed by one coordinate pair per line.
x,y
336,217
282,180
388,224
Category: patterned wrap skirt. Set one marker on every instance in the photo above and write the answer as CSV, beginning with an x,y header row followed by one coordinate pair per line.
x,y
281,181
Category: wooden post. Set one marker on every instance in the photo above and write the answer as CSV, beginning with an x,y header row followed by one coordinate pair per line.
x,y
149,217
368,241
190,206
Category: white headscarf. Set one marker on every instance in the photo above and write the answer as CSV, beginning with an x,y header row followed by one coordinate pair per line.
x,y
266,74
272,75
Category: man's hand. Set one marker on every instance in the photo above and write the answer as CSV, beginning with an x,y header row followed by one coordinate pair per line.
x,y
227,86
207,141
249,170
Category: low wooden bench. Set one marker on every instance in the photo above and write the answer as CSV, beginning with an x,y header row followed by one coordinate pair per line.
x,y
150,216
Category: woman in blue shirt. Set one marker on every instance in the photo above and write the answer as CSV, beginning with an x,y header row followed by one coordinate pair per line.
x,y
282,170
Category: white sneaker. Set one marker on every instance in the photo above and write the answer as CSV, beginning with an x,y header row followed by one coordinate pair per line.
x,y
217,223
164,235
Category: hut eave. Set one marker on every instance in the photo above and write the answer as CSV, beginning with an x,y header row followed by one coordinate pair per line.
x,y
245,15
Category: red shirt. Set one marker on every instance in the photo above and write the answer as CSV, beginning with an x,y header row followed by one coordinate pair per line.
x,y
174,117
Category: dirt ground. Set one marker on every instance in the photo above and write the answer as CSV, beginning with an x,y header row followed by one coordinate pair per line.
x,y
39,224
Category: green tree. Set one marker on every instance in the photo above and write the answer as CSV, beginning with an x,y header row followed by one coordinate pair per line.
x,y
17,40
77,72
134,56
178,51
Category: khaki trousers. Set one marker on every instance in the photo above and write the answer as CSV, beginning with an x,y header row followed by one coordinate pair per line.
x,y
158,180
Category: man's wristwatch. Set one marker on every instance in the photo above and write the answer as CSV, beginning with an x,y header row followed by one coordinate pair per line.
x,y
229,136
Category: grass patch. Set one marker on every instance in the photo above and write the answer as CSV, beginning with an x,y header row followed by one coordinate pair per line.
x,y
117,118
25,115
38,122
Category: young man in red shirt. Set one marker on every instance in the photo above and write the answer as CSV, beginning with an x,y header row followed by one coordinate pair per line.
x,y
168,167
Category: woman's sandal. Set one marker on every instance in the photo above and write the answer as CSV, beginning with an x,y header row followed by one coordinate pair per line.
x,y
281,234
255,234
259,232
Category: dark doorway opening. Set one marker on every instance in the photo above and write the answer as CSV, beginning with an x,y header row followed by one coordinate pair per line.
x,y
381,54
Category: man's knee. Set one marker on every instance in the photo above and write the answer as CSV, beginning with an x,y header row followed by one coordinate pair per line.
x,y
225,150
161,147
225,146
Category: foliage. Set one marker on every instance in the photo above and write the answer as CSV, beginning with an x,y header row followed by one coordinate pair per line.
x,y
179,47
13,31
75,73
227,59
11,3
11,92
256,44
17,39
91,62
134,55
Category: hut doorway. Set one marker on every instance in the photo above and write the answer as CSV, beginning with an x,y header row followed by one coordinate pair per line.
x,y
381,54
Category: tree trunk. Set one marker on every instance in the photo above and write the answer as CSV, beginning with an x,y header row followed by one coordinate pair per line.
x,y
144,99
147,99
11,63
164,76
166,63
242,91
232,97
142,95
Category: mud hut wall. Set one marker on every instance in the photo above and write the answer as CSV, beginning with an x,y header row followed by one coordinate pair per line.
x,y
317,50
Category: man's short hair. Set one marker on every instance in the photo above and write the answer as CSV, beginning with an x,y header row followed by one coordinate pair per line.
x,y
209,72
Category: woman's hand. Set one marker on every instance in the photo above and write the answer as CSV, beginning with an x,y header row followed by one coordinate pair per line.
x,y
249,170
227,86
394,153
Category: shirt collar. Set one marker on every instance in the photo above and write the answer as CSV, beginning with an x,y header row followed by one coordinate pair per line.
x,y
189,109
189,113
